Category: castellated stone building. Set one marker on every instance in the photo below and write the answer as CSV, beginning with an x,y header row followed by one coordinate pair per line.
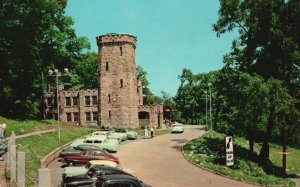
x,y
118,101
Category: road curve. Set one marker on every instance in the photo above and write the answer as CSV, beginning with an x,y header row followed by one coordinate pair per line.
x,y
160,162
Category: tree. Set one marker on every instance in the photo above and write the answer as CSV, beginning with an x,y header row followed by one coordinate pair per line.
x,y
148,96
243,105
268,44
34,36
190,97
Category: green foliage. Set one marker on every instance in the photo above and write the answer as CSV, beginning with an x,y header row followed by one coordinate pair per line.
x,y
43,145
34,36
209,152
191,98
148,96
269,46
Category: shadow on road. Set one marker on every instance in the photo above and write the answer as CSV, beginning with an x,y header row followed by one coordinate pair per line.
x,y
180,140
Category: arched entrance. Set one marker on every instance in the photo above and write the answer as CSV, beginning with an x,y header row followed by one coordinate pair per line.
x,y
144,118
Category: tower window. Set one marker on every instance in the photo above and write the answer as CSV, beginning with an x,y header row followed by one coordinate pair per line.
x,y
121,51
109,114
109,98
121,83
106,67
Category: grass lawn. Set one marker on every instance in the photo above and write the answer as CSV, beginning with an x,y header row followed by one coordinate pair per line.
x,y
36,147
208,151
25,126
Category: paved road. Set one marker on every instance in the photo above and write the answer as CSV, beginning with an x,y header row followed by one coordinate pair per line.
x,y
160,163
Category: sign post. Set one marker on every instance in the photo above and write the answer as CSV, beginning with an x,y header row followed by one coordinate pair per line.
x,y
229,151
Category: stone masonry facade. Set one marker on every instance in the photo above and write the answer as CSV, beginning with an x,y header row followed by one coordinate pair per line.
x,y
118,103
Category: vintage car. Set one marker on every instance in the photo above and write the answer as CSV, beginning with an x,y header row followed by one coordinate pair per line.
x,y
80,170
90,176
75,150
131,135
87,155
3,148
100,142
177,128
118,180
111,135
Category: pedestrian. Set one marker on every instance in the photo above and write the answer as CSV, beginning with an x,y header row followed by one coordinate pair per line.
x,y
2,129
146,133
152,132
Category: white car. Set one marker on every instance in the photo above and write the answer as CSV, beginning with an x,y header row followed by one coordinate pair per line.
x,y
110,135
177,128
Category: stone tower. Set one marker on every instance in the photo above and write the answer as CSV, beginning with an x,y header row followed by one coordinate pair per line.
x,y
118,86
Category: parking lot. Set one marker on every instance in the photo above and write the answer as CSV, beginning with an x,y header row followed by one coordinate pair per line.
x,y
160,162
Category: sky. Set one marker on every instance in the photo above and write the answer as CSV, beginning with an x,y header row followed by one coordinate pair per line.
x,y
171,34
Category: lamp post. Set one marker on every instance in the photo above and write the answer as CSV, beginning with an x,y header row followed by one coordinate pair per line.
x,y
205,91
55,73
210,117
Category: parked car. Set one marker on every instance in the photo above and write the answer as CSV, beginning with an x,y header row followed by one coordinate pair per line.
x,y
3,148
118,180
80,170
90,176
109,135
177,128
112,135
101,142
131,135
87,155
75,150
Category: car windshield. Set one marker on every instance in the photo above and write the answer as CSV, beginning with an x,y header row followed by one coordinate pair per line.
x,y
120,130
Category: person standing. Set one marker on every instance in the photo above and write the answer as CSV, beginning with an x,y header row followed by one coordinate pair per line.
x,y
146,133
152,132
2,129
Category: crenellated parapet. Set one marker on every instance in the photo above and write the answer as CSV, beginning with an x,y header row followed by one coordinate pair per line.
x,y
116,39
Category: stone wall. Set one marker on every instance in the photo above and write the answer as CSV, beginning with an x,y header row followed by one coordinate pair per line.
x,y
76,106
118,87
155,115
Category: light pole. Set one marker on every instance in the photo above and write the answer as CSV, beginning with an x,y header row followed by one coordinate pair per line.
x,y
205,91
210,119
55,73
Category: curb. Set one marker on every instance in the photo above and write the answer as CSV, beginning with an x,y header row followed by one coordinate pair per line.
x,y
52,156
226,176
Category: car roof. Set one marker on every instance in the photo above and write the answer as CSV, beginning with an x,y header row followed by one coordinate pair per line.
x,y
117,177
102,138
103,163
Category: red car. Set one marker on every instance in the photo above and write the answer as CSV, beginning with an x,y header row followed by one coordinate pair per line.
x,y
90,154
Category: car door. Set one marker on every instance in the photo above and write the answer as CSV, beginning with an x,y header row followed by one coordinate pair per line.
x,y
85,157
98,155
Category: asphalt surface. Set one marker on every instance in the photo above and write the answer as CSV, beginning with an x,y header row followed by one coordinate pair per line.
x,y
160,163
